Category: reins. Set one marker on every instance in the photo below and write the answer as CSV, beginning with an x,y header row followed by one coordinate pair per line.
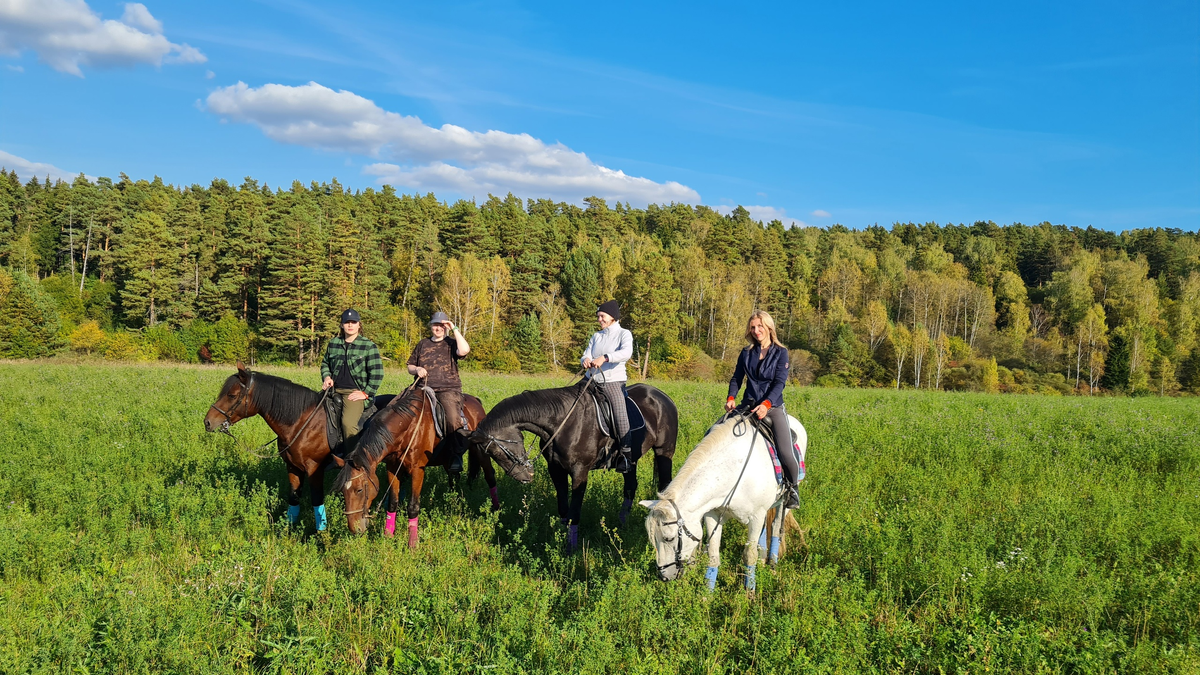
x,y
372,478
281,446
742,418
526,462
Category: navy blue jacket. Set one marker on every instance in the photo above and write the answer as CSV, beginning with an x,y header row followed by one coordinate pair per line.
x,y
764,379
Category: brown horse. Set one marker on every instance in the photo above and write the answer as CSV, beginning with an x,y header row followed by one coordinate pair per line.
x,y
403,436
296,416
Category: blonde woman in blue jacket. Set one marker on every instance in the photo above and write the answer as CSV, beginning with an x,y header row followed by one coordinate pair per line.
x,y
605,357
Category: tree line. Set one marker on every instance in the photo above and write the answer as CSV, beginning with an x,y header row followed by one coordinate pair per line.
x,y
143,269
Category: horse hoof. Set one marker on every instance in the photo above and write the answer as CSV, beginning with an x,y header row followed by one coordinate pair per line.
x,y
573,539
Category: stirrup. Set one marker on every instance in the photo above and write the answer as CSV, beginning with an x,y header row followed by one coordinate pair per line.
x,y
623,462
791,498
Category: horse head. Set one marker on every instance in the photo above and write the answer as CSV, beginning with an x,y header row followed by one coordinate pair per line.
x,y
359,487
233,404
507,447
674,542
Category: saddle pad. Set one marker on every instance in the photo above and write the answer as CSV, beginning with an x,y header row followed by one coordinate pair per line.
x,y
603,417
439,415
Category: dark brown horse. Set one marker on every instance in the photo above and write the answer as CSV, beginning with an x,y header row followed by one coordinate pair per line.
x,y
403,436
296,416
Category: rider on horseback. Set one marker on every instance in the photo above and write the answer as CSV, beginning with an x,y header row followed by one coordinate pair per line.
x,y
436,359
607,351
764,365
353,368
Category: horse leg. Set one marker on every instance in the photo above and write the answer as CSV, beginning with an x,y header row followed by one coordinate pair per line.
x,y
714,551
662,467
578,488
558,476
489,475
414,505
393,496
778,514
631,486
293,498
316,494
751,556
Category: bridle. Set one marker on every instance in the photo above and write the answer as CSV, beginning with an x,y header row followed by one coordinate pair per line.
x,y
280,444
739,429
525,461
372,479
241,398
683,530
513,457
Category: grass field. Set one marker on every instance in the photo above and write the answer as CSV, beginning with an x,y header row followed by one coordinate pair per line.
x,y
946,533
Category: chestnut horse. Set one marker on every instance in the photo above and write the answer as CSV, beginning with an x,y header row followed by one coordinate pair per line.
x,y
402,435
296,416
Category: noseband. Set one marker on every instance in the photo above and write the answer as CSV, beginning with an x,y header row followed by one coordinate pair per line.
x,y
367,506
512,456
224,428
683,530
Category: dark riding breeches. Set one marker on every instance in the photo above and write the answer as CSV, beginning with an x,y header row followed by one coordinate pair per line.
x,y
451,400
788,456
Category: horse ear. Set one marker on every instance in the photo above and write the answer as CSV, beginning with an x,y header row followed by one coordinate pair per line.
x,y
649,503
242,373
338,460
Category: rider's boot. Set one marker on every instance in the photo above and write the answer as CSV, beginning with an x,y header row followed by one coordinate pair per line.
x,y
792,499
459,440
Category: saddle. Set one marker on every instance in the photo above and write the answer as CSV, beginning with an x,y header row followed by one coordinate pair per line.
x,y
767,431
333,419
439,413
604,417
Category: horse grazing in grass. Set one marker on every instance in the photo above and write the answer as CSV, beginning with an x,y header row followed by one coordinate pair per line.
x,y
575,449
403,436
296,416
728,475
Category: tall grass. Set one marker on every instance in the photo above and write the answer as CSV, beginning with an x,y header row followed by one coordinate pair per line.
x,y
945,533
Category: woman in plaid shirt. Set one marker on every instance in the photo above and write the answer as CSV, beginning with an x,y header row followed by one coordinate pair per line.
x,y
353,368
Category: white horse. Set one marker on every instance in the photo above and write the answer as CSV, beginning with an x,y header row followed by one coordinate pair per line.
x,y
724,477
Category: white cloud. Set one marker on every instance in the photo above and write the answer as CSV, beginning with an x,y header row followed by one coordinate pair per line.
x,y
67,34
821,213
432,158
138,16
16,69
26,169
208,74
764,214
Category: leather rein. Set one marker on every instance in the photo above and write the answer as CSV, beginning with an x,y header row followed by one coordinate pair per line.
x,y
281,445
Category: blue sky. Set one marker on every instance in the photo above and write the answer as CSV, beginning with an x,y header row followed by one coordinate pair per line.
x,y
1081,114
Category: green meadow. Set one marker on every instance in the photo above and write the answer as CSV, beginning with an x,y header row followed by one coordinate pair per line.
x,y
945,533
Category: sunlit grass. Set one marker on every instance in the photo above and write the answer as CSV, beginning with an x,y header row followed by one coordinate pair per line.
x,y
946,532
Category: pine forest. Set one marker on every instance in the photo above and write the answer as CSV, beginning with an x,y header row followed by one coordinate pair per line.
x,y
142,270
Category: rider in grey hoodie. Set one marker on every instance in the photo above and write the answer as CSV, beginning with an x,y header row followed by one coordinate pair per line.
x,y
608,350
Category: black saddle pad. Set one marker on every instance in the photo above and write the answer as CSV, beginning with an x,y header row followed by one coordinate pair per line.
x,y
604,414
333,419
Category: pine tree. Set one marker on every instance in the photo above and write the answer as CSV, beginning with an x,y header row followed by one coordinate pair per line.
x,y
29,323
527,343
581,287
148,257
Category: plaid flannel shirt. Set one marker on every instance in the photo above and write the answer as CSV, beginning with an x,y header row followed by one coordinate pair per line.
x,y
365,365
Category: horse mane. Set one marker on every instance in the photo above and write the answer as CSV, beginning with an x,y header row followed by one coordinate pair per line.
x,y
374,442
716,441
280,398
553,403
